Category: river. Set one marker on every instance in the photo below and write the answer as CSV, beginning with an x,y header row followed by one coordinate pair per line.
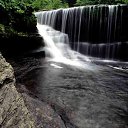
x,y
93,97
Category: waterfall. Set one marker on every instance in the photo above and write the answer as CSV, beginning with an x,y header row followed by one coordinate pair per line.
x,y
57,47
94,30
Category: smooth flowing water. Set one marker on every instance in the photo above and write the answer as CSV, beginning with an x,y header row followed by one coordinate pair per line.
x,y
98,29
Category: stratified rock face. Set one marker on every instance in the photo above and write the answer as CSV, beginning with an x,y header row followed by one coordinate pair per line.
x,y
13,112
18,109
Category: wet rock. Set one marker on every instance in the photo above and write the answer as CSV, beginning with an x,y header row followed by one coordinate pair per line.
x,y
13,112
15,45
18,109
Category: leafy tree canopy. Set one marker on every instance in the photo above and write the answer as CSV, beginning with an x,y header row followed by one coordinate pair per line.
x,y
16,15
48,4
84,2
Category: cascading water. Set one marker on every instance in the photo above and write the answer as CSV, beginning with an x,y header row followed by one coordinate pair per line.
x,y
92,30
57,46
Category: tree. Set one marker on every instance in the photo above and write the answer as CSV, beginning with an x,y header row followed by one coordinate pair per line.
x,y
84,2
17,15
48,4
71,3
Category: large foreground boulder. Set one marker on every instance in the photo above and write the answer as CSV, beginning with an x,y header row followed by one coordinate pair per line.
x,y
13,112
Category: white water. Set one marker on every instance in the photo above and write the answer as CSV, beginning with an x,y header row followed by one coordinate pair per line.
x,y
72,21
57,47
72,18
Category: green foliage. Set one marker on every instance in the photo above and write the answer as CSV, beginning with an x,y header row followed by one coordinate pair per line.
x,y
125,1
2,28
17,16
71,3
85,2
48,4
82,2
